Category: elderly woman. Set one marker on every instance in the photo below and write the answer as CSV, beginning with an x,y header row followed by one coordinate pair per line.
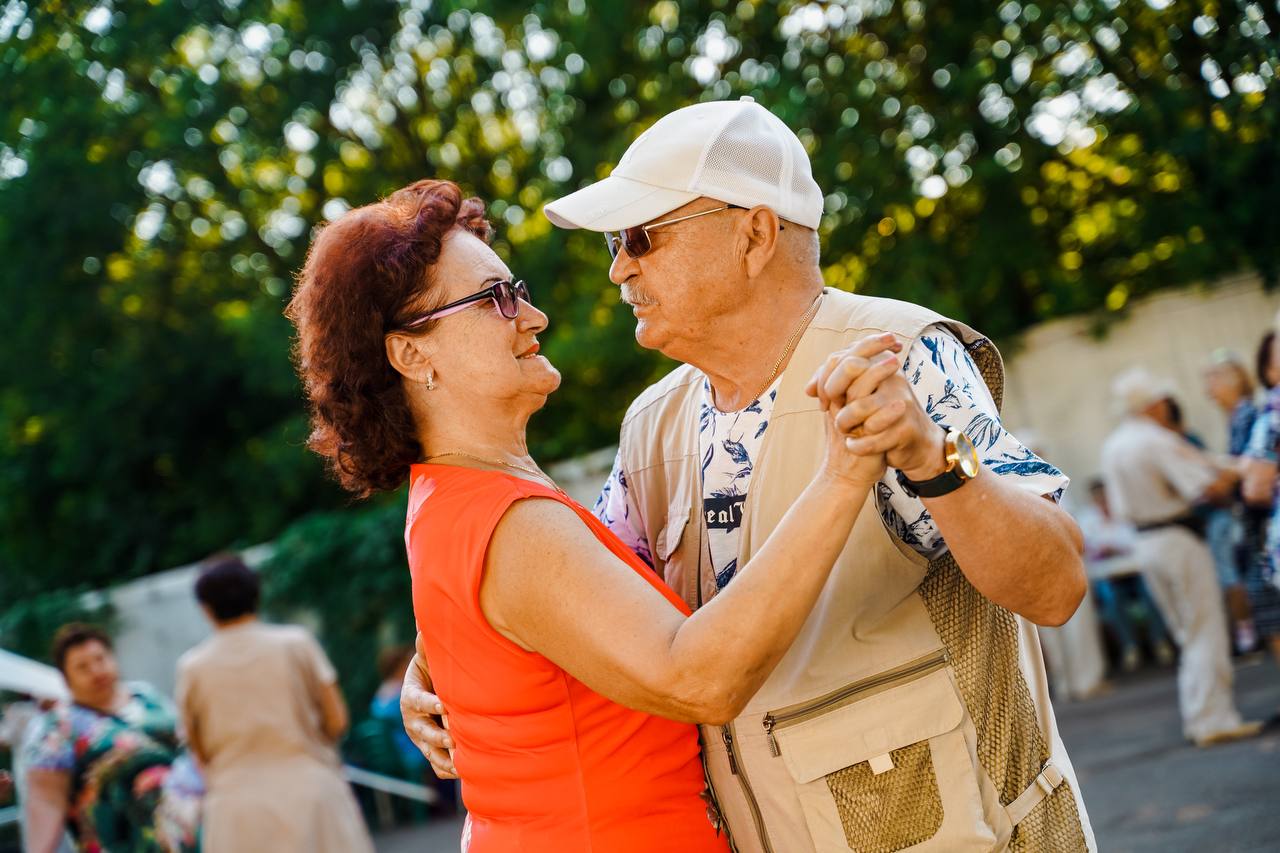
x,y
98,765
572,674
262,711
1227,384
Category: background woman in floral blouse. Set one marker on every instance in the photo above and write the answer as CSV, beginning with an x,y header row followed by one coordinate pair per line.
x,y
97,766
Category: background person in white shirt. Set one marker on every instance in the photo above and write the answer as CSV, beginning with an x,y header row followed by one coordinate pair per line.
x,y
1154,479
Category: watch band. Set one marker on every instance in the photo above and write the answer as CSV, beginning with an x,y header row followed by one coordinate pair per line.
x,y
935,487
949,480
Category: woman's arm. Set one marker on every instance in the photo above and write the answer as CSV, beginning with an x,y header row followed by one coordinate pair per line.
x,y
334,718
188,729
550,586
322,681
47,795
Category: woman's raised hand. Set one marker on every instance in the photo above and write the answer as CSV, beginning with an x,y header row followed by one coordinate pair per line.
x,y
849,374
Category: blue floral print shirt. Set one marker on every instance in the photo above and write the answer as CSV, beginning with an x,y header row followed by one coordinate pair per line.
x,y
948,385
729,443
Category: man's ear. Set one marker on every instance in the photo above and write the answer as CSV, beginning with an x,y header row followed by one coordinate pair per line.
x,y
762,226
410,355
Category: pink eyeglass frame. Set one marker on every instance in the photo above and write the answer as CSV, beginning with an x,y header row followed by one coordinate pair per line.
x,y
515,292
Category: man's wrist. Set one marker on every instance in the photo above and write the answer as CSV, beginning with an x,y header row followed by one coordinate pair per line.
x,y
933,460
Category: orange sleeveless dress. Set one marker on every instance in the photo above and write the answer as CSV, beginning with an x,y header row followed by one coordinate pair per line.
x,y
546,763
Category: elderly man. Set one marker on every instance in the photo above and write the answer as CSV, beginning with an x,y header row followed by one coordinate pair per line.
x,y
912,710
1154,478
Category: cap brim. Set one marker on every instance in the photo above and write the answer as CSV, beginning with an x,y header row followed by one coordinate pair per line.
x,y
613,204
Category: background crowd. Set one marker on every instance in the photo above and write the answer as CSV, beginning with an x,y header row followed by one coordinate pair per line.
x,y
1214,588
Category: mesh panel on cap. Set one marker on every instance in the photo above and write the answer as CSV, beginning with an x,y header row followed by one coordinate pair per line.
x,y
801,180
745,161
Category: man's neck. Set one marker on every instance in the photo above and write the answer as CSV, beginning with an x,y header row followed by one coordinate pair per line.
x,y
741,359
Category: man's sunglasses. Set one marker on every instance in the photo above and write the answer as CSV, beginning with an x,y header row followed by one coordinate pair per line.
x,y
506,294
636,240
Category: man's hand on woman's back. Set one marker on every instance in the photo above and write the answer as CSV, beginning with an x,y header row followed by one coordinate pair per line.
x,y
424,719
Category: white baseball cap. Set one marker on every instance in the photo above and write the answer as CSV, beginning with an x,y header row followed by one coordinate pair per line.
x,y
733,151
1137,388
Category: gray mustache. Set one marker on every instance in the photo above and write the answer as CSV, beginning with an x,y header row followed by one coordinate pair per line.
x,y
631,297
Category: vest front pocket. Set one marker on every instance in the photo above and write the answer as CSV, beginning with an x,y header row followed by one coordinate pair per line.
x,y
882,765
676,553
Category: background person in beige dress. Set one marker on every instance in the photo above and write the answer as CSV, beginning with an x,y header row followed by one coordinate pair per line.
x,y
262,712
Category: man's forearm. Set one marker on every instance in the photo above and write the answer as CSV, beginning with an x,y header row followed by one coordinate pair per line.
x,y
1018,549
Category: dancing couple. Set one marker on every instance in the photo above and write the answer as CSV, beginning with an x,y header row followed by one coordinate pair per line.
x,y
801,614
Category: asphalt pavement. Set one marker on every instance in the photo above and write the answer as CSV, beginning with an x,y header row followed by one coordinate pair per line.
x,y
1149,791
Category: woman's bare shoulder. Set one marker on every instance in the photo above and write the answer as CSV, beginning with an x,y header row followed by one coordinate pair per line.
x,y
539,524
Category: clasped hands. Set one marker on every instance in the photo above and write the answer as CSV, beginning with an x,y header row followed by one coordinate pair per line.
x,y
873,406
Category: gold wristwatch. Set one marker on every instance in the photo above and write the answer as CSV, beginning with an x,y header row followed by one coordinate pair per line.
x,y
963,465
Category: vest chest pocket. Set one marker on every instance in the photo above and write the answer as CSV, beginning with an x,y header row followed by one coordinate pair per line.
x,y
678,565
882,765
673,532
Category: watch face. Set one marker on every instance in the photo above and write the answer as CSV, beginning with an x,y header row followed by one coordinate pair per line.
x,y
966,456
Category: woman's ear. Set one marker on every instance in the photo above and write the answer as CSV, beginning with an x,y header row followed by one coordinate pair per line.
x,y
410,355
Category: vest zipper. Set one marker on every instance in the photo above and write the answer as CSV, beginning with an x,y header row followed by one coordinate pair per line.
x,y
848,694
731,747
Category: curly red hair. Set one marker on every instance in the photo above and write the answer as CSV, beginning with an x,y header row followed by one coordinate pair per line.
x,y
363,274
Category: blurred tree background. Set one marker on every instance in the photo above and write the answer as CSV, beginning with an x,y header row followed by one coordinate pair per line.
x,y
162,165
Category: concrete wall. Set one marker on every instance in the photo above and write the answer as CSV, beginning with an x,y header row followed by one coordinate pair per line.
x,y
1058,388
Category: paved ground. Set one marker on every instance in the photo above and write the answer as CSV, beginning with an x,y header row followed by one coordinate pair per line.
x,y
1146,789
438,836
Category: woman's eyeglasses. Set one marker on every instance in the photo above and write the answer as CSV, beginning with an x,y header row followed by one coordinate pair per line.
x,y
506,294
636,240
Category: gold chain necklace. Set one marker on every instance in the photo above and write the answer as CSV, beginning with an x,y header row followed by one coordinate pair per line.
x,y
534,471
786,351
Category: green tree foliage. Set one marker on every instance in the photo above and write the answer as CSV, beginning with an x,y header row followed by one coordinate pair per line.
x,y
347,569
161,165
27,627
148,408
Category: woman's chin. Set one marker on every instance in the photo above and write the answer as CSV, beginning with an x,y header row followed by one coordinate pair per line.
x,y
553,379
540,374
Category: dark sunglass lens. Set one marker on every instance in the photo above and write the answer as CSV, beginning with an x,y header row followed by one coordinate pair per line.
x,y
522,291
636,241
612,240
505,296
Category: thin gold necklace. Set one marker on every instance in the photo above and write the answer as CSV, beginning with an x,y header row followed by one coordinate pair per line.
x,y
534,471
786,351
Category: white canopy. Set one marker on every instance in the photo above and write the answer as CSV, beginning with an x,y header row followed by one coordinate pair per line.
x,y
23,675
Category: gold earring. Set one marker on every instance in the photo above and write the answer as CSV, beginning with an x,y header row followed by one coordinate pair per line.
x,y
431,382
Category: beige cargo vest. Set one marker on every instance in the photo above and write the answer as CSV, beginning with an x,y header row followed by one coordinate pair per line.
x,y
911,712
